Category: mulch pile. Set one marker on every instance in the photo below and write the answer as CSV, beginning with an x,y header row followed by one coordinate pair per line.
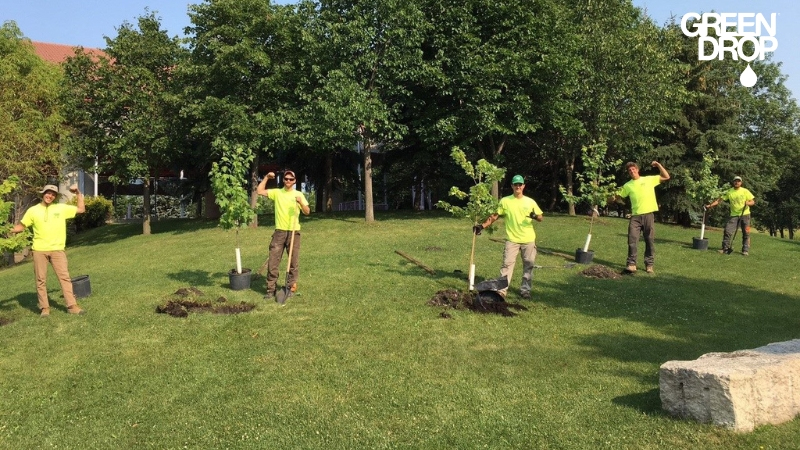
x,y
452,298
183,301
600,271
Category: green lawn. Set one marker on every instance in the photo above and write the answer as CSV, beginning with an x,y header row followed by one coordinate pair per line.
x,y
359,360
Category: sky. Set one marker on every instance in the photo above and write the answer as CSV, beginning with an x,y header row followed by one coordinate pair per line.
x,y
86,22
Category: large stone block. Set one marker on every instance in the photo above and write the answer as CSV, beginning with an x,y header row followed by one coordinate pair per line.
x,y
739,390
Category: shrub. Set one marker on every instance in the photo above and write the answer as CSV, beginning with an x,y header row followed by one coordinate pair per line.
x,y
98,211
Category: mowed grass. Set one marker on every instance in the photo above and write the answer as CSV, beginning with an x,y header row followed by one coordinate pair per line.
x,y
359,360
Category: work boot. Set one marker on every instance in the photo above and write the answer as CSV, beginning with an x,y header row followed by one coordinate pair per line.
x,y
745,253
722,251
45,312
650,269
294,287
525,295
631,268
270,295
75,309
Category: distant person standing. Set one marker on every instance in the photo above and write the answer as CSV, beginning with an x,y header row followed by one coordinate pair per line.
x,y
642,192
48,220
518,212
740,200
288,203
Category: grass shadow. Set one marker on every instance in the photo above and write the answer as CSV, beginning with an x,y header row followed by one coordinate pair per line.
x,y
27,300
645,402
194,277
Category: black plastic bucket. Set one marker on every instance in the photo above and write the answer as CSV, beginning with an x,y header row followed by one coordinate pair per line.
x,y
81,286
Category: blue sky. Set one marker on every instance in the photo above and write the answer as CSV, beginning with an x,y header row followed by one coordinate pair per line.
x,y
85,22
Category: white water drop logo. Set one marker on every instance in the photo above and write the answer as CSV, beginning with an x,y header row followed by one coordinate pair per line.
x,y
748,78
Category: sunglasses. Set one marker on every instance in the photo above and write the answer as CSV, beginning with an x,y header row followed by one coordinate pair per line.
x,y
518,184
288,179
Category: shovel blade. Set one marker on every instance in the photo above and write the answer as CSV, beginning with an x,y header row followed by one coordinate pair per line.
x,y
280,296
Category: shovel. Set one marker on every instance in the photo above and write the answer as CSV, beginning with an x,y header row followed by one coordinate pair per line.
x,y
286,291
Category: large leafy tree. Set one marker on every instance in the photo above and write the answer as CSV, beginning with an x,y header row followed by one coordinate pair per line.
x,y
625,85
487,74
124,110
239,78
362,54
30,116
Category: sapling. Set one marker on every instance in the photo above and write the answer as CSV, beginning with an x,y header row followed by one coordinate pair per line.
x,y
703,186
480,201
10,243
595,189
229,182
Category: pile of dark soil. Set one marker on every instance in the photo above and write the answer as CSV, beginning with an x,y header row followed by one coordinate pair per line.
x,y
451,298
600,271
5,321
183,301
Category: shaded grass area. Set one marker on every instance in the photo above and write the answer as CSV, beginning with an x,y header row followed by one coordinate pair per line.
x,y
358,359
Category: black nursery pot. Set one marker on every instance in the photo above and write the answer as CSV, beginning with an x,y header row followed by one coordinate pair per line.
x,y
700,244
240,281
81,286
582,257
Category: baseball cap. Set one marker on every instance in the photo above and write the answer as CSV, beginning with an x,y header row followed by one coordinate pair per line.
x,y
49,187
518,180
737,178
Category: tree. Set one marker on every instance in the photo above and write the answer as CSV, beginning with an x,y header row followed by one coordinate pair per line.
x,y
229,182
30,115
124,110
365,52
239,78
10,243
595,188
481,203
703,186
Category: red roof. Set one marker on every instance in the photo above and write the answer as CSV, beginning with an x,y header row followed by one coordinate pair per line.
x,y
58,53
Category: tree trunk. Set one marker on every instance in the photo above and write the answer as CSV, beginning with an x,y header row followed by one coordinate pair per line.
x,y
369,212
328,183
253,186
146,206
570,167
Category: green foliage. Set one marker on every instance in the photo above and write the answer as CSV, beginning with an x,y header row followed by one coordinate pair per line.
x,y
98,211
10,242
480,201
30,114
230,185
702,185
595,188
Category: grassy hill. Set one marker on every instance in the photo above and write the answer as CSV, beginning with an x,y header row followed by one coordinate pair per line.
x,y
359,360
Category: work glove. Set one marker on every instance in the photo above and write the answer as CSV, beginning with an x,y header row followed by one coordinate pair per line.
x,y
532,215
477,229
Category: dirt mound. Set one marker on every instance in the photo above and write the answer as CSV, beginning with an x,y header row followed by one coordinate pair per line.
x,y
183,302
5,321
451,298
600,271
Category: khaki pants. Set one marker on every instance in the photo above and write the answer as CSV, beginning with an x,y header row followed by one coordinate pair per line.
x,y
279,244
510,252
57,259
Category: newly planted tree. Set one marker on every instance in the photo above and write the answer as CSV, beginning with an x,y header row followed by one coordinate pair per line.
x,y
480,201
703,187
229,182
595,188
9,243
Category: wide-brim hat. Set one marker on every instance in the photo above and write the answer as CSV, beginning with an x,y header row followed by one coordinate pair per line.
x,y
737,178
